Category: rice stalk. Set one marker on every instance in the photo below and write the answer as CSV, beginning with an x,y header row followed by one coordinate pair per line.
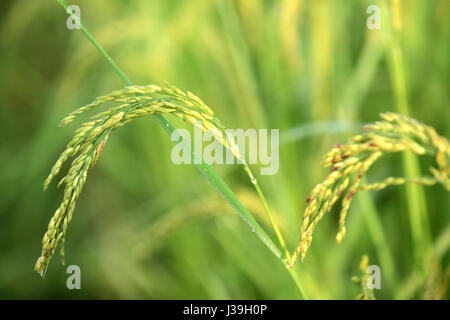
x,y
350,162
417,205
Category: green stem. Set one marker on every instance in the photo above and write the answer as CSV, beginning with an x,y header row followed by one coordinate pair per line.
x,y
299,285
210,173
417,207
272,221
267,210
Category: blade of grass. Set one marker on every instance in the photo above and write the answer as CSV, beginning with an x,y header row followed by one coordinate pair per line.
x,y
208,172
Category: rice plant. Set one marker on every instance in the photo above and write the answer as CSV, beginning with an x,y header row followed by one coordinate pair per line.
x,y
349,162
139,101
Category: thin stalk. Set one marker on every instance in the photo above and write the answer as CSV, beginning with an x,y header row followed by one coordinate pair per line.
x,y
417,207
268,211
276,230
211,175
299,285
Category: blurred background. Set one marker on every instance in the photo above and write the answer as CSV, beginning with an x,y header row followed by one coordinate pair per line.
x,y
146,228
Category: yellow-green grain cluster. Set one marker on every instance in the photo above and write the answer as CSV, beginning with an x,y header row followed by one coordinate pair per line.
x,y
350,162
87,144
361,280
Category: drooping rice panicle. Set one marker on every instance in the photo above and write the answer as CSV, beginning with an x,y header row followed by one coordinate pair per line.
x,y
350,162
88,142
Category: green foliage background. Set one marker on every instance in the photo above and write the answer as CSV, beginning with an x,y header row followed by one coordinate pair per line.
x,y
146,228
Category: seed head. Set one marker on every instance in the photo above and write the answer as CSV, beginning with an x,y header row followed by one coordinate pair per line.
x,y
351,161
89,140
